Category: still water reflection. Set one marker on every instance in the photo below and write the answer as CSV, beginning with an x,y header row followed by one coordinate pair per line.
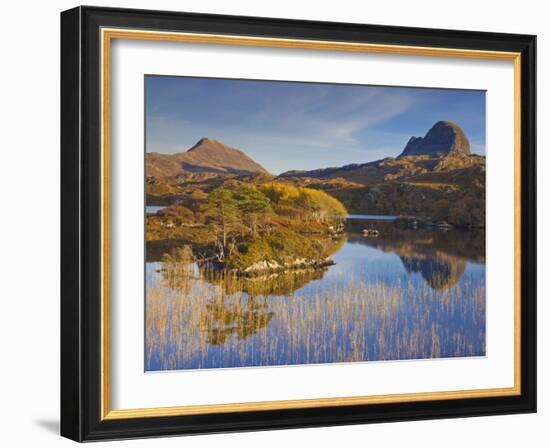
x,y
406,294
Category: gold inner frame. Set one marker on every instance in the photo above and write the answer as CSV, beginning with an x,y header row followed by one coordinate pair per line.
x,y
107,35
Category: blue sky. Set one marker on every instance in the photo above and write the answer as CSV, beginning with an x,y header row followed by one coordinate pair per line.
x,y
291,125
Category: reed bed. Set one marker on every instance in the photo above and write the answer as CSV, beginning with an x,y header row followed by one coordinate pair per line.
x,y
205,325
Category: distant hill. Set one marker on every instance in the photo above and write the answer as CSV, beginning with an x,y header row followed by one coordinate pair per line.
x,y
206,156
443,154
451,168
434,177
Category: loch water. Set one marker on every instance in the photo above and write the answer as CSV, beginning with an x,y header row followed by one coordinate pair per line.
x,y
405,294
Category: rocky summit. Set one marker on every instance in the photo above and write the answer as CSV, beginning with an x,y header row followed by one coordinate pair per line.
x,y
445,137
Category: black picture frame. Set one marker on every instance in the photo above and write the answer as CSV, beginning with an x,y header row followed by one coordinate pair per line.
x,y
81,227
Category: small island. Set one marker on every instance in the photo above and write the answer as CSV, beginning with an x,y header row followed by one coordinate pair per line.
x,y
246,229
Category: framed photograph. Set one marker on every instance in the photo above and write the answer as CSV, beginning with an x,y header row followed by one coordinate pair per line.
x,y
276,224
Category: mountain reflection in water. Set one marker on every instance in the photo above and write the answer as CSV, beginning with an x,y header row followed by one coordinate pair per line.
x,y
406,294
439,256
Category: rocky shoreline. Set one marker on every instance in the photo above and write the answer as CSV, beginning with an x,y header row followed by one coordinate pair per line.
x,y
411,222
265,267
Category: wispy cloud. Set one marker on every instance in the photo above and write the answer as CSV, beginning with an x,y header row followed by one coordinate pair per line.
x,y
292,125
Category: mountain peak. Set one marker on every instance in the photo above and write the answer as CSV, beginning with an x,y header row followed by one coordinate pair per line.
x,y
201,142
444,137
207,155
